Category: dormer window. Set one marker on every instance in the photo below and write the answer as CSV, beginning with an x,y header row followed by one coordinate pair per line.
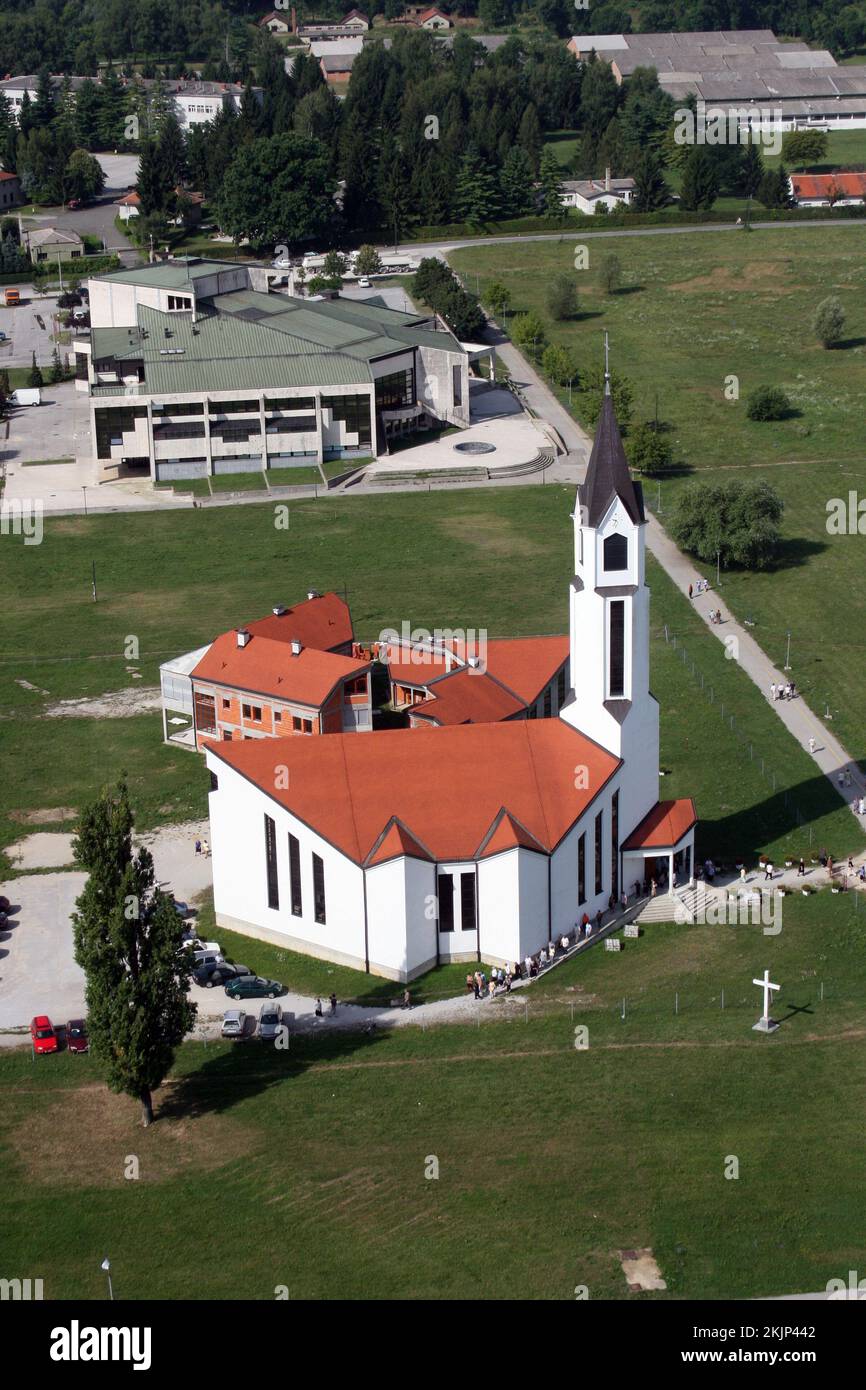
x,y
616,553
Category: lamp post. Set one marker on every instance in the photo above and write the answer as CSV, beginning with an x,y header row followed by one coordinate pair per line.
x,y
106,1265
787,666
718,568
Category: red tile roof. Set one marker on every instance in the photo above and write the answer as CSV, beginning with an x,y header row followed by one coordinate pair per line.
x,y
508,834
520,666
395,843
819,185
468,697
446,786
324,622
129,200
664,826
268,667
5,175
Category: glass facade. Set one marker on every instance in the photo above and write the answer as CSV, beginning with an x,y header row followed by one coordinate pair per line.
x,y
396,390
112,423
353,412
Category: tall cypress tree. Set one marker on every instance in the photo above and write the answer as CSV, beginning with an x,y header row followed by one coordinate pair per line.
x,y
128,943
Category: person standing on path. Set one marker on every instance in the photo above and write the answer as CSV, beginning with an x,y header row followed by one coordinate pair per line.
x,y
690,591
773,691
812,746
333,1003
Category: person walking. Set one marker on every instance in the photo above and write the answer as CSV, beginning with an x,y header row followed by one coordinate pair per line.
x,y
768,872
812,746
333,1003
743,874
407,999
773,690
318,1008
690,591
801,869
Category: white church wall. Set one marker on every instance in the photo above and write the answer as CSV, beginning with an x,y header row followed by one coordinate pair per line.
x,y
237,812
499,905
401,918
533,899
458,944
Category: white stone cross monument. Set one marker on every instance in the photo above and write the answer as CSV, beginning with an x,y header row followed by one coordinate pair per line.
x,y
765,1024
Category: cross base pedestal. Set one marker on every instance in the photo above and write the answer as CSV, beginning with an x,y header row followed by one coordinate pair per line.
x,y
765,1025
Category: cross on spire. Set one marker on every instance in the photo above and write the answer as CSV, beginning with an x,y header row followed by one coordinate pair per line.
x,y
606,365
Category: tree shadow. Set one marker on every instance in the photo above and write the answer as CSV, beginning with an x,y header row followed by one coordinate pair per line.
x,y
794,551
626,290
844,344
745,833
227,1077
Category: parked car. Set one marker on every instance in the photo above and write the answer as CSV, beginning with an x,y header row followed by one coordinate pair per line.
x,y
76,1036
254,987
364,283
234,1023
182,909
270,1021
27,395
43,1034
210,975
2,337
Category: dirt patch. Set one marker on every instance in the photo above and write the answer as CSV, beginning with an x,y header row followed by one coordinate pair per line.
x,y
49,815
45,849
757,275
115,704
641,1270
494,535
101,1134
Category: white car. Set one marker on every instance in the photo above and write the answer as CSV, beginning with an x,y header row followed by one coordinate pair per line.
x,y
234,1023
364,283
270,1020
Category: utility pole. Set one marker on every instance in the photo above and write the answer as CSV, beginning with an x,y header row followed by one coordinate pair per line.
x,y
788,654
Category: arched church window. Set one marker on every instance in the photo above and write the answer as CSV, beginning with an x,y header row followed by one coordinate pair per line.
x,y
616,553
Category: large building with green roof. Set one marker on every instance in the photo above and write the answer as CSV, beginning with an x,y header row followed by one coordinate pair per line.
x,y
192,370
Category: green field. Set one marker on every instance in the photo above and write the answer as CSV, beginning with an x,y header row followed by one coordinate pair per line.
x,y
692,311
550,1159
211,569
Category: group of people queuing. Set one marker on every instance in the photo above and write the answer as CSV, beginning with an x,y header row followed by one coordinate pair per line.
x,y
502,978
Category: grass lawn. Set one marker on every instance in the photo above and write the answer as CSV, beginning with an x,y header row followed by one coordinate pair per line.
x,y
449,562
320,1152
332,468
692,311
199,487
293,477
238,482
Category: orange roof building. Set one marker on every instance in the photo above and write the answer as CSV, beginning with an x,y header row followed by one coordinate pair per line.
x,y
523,799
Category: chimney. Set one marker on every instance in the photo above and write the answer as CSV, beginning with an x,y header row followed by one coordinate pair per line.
x,y
278,610
243,636
296,647
607,179
313,593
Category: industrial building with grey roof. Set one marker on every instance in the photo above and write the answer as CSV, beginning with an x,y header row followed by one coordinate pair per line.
x,y
194,367
784,82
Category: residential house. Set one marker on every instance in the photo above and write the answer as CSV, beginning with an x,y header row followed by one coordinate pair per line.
x,y
587,195
275,23
10,190
433,19
828,190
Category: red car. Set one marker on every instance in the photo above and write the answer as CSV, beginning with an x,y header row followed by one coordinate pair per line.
x,y
42,1034
76,1036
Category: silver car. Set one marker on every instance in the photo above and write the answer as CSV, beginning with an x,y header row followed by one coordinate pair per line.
x,y
270,1021
234,1023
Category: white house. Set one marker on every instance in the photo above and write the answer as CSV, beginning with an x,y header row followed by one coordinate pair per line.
x,y
477,841
588,194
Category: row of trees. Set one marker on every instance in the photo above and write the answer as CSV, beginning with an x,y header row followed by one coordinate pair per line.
x,y
436,285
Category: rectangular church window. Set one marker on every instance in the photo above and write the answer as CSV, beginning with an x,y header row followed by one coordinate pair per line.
x,y
616,673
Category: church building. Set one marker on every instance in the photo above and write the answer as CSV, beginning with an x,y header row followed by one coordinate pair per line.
x,y
469,841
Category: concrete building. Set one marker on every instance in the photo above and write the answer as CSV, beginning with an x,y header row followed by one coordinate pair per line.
x,y
784,84
49,244
194,102
478,841
192,371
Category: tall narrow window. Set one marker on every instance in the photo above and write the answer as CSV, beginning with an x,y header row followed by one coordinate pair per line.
x,y
295,876
271,862
467,902
599,831
318,889
581,869
560,688
614,844
616,673
616,553
445,899
457,385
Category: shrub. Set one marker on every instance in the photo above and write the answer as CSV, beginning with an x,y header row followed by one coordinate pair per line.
x,y
649,452
829,321
768,403
737,521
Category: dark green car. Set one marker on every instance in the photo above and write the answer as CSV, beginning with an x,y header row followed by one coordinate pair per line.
x,y
253,987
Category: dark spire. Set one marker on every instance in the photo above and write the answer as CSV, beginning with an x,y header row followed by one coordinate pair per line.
x,y
607,474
